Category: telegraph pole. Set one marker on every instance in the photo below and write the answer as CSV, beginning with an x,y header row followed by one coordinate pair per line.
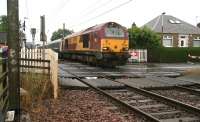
x,y
13,55
43,37
33,32
63,31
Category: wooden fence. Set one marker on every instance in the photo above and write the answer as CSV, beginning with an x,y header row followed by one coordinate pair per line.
x,y
41,61
3,85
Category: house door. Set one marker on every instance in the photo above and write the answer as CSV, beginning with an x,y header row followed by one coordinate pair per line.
x,y
183,41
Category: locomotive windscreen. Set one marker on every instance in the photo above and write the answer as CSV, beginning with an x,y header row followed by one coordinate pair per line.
x,y
114,30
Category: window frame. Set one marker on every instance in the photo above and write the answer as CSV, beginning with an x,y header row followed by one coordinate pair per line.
x,y
117,31
167,37
196,39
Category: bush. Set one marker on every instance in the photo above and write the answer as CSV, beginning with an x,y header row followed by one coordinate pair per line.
x,y
172,55
195,51
143,38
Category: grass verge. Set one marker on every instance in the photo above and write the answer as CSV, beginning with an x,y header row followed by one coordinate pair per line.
x,y
37,87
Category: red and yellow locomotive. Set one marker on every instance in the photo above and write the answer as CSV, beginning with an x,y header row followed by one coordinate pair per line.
x,y
104,44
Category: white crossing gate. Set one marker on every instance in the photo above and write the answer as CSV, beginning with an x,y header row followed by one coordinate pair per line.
x,y
138,56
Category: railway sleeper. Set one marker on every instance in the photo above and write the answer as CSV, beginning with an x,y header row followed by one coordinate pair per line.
x,y
172,114
182,119
165,111
152,106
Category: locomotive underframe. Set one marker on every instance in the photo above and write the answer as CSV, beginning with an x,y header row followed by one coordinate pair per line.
x,y
97,58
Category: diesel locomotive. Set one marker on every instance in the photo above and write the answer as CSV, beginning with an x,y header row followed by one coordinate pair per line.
x,y
104,44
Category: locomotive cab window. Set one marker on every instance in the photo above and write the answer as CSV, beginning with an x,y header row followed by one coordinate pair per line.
x,y
66,43
86,39
114,30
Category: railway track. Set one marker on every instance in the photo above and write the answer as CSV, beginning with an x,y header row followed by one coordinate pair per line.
x,y
152,106
180,94
189,94
193,88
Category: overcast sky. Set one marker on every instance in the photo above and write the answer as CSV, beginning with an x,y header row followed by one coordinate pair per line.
x,y
81,14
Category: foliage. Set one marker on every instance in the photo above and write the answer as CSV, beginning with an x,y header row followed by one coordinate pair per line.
x,y
172,55
4,26
143,38
59,34
195,51
3,23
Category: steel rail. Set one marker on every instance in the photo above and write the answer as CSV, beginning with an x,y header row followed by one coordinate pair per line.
x,y
178,88
183,87
130,107
192,91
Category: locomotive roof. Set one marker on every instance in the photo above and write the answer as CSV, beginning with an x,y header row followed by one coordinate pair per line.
x,y
55,41
92,29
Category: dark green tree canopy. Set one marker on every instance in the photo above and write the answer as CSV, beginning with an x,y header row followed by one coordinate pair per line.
x,y
143,38
4,26
59,34
3,23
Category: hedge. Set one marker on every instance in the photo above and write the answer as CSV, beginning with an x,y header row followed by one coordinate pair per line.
x,y
172,55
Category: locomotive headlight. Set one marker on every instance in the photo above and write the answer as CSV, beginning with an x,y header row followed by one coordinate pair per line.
x,y
125,48
105,48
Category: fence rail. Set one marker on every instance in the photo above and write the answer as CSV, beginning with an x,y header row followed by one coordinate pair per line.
x,y
3,85
33,64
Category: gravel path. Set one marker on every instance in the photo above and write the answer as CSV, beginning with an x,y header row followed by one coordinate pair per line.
x,y
78,106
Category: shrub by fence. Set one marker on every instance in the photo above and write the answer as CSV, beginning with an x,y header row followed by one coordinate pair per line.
x,y
173,55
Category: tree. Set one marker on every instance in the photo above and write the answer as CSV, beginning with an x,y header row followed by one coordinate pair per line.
x,y
3,23
4,27
143,38
59,34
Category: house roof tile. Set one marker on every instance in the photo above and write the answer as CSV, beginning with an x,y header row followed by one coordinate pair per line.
x,y
171,25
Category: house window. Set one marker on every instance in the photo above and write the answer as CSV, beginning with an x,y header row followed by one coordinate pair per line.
x,y
196,42
183,37
168,41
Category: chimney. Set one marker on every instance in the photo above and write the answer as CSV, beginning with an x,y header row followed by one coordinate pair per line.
x,y
133,25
